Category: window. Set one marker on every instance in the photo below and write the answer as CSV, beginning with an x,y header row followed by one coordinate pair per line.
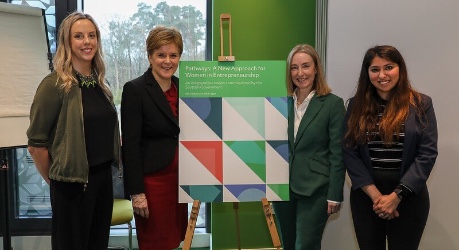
x,y
29,203
32,191
124,25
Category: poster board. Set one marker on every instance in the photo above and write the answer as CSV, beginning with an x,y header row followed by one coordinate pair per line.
x,y
24,62
233,139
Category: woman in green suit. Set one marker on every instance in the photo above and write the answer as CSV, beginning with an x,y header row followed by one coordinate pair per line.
x,y
316,166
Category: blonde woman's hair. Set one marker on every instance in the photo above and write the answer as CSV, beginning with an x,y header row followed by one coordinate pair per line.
x,y
320,84
63,58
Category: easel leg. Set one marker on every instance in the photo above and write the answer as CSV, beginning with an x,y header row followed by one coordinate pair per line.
x,y
191,225
236,215
271,223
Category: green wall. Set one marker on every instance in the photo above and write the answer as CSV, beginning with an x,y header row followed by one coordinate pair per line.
x,y
261,30
264,29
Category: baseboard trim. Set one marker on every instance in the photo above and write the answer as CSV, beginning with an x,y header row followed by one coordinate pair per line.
x,y
117,239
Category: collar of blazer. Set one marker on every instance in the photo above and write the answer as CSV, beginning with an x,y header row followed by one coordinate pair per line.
x,y
157,95
315,105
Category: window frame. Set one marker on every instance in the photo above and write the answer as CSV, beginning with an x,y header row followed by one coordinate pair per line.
x,y
38,226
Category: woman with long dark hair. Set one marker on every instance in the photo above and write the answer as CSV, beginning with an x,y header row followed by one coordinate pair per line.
x,y
390,148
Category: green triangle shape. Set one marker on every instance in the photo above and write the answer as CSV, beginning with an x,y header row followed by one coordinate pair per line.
x,y
282,190
252,153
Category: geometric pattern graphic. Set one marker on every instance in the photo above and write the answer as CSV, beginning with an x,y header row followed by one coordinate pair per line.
x,y
209,110
233,149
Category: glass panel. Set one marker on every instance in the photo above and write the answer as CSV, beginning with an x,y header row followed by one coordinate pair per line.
x,y
201,221
32,191
124,27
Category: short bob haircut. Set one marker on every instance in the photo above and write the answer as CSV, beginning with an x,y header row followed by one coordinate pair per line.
x,y
162,35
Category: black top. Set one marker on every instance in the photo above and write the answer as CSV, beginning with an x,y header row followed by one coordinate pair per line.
x,y
99,124
385,156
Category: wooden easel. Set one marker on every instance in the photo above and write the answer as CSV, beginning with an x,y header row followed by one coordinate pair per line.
x,y
191,225
221,57
196,204
269,220
271,223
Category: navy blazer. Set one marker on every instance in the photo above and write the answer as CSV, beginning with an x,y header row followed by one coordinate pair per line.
x,y
419,150
149,130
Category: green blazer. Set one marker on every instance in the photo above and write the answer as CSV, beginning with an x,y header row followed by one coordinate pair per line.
x,y
315,157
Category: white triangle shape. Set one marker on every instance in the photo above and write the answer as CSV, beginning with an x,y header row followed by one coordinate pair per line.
x,y
235,171
191,170
184,197
228,196
275,123
192,128
251,109
235,127
277,169
271,195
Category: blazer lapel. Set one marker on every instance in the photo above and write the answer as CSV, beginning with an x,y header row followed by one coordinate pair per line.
x,y
291,121
313,108
157,95
409,136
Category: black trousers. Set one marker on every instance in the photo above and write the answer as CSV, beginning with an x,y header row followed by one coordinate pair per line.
x,y
401,233
82,217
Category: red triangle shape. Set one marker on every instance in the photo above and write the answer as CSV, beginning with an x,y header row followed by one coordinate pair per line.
x,y
209,153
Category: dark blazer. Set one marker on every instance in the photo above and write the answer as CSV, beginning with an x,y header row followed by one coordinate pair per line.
x,y
149,130
316,164
419,150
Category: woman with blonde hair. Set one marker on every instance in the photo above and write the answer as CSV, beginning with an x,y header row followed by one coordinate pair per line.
x,y
74,138
316,165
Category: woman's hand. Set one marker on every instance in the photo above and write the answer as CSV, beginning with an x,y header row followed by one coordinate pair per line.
x,y
333,207
139,204
41,160
386,206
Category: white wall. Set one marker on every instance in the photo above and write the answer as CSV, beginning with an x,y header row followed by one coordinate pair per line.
x,y
427,34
